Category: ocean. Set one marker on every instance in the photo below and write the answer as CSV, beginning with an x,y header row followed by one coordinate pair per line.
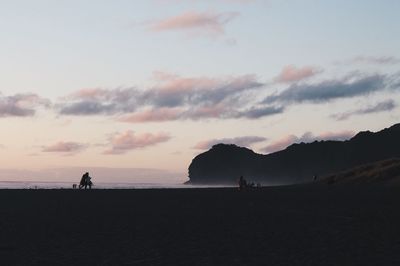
x,y
68,185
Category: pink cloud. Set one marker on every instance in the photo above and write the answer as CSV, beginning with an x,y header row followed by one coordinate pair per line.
x,y
206,22
179,84
64,147
292,73
173,90
280,144
341,135
307,137
153,115
245,141
126,141
90,93
216,111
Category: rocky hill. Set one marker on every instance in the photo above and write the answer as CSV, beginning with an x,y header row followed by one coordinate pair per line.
x,y
298,163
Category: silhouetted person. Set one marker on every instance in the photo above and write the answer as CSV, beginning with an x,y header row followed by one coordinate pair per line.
x,y
85,181
315,178
89,181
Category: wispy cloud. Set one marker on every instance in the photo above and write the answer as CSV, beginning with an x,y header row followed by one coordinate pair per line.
x,y
384,106
258,112
307,137
245,141
126,141
98,101
292,73
350,86
377,60
153,115
205,23
65,147
173,98
21,104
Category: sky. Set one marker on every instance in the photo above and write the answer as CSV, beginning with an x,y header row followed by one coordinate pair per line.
x,y
134,90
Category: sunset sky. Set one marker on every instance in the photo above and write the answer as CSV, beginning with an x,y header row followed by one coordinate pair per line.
x,y
133,90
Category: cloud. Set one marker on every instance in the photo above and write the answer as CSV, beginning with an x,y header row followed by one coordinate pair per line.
x,y
383,106
350,86
208,111
172,98
307,137
245,141
380,60
21,105
201,97
153,115
99,101
292,73
128,140
208,23
258,112
64,147
177,91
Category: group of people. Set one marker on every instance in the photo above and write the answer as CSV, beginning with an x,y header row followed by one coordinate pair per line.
x,y
243,184
86,181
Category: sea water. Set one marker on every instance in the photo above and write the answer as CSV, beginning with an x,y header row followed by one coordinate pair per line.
x,y
68,185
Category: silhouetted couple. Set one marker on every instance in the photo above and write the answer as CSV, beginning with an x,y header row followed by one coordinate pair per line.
x,y
86,181
242,183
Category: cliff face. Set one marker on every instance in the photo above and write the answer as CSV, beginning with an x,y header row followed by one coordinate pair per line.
x,y
297,163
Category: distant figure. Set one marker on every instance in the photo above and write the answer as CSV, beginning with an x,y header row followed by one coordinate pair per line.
x,y
74,186
85,181
315,178
242,183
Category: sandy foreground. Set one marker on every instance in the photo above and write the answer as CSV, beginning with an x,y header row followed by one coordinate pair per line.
x,y
300,225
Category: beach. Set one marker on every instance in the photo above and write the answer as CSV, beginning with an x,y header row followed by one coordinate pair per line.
x,y
293,225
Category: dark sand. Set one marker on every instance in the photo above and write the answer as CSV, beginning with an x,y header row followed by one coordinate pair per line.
x,y
271,226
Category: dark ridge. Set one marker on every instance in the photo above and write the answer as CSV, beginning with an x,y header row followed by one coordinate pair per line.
x,y
298,163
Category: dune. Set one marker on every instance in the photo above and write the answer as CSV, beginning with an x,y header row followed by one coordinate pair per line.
x,y
386,171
